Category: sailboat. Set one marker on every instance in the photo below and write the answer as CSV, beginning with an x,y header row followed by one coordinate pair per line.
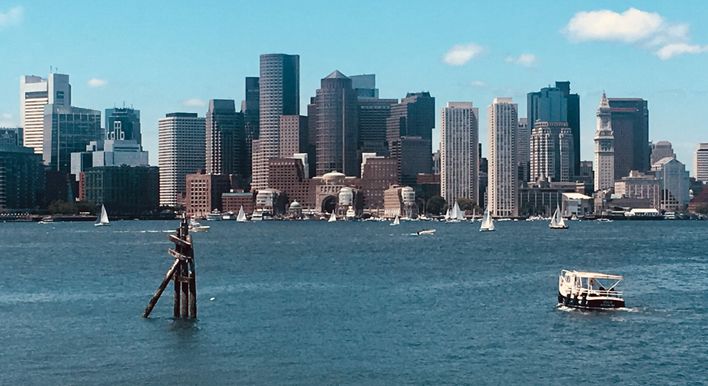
x,y
396,221
474,214
447,214
487,222
557,221
102,219
460,213
241,215
332,217
455,214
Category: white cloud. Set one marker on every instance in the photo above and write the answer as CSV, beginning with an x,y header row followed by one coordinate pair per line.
x,y
646,29
96,82
462,53
11,17
526,60
478,83
194,102
670,50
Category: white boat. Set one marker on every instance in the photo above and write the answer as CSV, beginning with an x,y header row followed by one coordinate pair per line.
x,y
589,290
102,219
487,222
396,221
46,220
228,216
241,215
332,217
474,215
351,214
214,216
557,221
426,232
447,214
456,215
195,226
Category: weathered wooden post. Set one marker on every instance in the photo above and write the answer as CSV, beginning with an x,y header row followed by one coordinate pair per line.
x,y
182,273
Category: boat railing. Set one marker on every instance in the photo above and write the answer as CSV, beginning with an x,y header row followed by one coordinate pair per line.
x,y
604,292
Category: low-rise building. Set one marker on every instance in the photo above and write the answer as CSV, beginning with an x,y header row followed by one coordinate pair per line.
x,y
400,201
576,204
124,190
21,178
638,185
204,193
233,201
674,180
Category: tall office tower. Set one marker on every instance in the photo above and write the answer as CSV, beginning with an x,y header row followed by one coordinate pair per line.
x,y
557,104
129,119
604,148
312,136
523,144
225,140
459,158
630,125
411,120
551,152
68,129
181,152
365,85
503,183
700,162
279,94
293,135
250,111
373,113
661,149
336,126
35,93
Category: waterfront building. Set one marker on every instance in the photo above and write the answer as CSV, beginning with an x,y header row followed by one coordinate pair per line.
x,y
640,186
233,201
204,193
523,146
181,148
21,178
337,125
109,152
409,128
700,162
544,197
661,149
279,94
293,135
400,201
224,139
67,130
11,136
288,176
674,180
557,104
502,189
377,175
125,119
576,204
459,160
551,152
250,111
327,192
630,127
604,164
35,93
124,190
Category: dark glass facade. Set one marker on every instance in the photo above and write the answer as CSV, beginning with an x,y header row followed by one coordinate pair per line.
x,y
124,190
21,178
630,125
70,130
225,139
129,123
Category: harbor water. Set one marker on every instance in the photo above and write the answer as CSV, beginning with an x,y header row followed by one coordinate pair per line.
x,y
353,303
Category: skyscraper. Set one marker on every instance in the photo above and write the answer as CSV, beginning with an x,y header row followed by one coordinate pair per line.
x,y
700,162
336,126
35,93
604,147
181,152
373,113
293,135
279,94
68,129
459,161
250,111
365,85
410,125
225,140
630,125
551,152
523,144
557,104
502,188
129,119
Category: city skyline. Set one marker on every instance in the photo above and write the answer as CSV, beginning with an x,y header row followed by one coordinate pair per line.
x,y
460,62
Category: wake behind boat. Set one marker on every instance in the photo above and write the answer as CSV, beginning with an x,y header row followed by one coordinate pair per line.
x,y
589,290
102,219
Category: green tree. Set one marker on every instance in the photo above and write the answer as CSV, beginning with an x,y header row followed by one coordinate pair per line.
x,y
465,203
436,205
61,207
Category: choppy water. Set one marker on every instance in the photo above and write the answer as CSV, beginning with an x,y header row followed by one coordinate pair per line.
x,y
353,303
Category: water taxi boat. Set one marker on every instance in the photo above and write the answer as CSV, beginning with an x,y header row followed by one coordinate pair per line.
x,y
425,232
589,290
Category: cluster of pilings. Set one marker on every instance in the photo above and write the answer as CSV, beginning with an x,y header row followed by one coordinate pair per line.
x,y
182,273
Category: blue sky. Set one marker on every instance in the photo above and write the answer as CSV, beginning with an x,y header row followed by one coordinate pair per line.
x,y
162,57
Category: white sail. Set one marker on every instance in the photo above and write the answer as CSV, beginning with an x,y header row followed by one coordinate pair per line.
x,y
447,214
396,221
332,217
487,222
460,212
557,221
241,215
474,214
103,217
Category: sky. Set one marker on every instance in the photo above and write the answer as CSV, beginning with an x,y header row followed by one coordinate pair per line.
x,y
163,57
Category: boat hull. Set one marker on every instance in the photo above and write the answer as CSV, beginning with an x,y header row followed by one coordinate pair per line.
x,y
591,302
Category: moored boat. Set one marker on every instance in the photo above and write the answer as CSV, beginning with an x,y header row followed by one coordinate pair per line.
x,y
195,226
589,290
